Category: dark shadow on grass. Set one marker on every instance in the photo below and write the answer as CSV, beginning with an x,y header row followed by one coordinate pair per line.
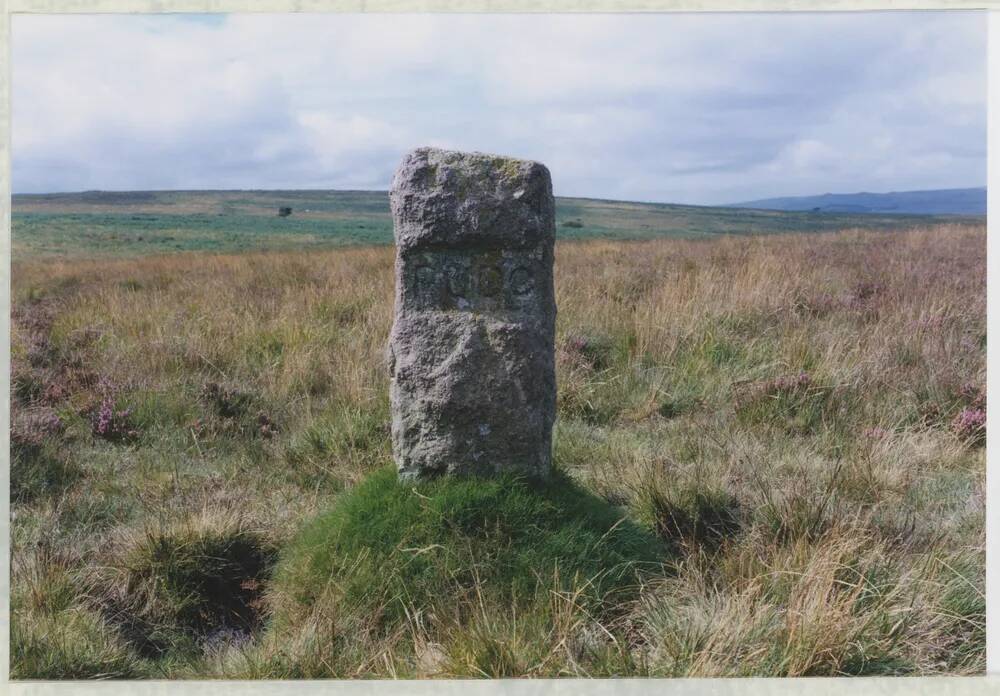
x,y
186,587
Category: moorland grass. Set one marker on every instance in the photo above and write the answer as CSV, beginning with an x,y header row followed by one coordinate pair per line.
x,y
389,553
191,582
392,546
797,420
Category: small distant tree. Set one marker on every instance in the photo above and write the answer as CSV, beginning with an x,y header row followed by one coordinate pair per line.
x,y
284,211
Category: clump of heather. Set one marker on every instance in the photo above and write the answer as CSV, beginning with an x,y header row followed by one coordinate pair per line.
x,y
876,433
109,422
34,426
45,373
228,401
865,299
35,320
39,465
236,409
112,424
265,426
865,292
788,384
588,350
974,395
970,425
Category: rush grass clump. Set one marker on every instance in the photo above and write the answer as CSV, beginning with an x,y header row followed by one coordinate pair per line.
x,y
177,587
54,633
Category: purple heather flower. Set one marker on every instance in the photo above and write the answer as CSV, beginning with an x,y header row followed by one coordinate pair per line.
x,y
970,423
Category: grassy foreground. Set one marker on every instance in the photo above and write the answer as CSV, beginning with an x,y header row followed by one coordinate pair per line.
x,y
784,433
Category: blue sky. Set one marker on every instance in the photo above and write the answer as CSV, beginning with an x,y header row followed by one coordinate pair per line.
x,y
687,108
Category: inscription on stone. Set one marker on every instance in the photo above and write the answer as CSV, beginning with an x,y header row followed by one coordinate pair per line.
x,y
471,351
471,282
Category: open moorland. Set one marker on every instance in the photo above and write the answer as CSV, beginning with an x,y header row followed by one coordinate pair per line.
x,y
132,223
780,435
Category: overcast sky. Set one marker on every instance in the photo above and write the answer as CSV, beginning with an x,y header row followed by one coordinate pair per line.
x,y
688,108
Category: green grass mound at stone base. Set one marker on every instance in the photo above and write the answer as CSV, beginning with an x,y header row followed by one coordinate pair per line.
x,y
390,549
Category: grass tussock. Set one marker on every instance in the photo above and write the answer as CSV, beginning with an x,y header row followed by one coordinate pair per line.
x,y
53,636
790,427
456,563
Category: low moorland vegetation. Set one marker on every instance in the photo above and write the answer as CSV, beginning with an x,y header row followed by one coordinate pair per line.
x,y
99,224
769,457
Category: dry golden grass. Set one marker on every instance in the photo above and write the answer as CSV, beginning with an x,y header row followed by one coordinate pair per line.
x,y
786,412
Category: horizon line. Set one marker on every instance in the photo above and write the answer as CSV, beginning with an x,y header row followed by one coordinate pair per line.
x,y
736,204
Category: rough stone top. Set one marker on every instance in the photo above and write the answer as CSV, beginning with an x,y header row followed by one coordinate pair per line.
x,y
449,199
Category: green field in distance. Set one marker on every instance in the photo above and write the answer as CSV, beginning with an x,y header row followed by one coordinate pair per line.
x,y
134,223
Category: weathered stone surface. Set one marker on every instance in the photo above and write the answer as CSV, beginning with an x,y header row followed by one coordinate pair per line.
x,y
471,352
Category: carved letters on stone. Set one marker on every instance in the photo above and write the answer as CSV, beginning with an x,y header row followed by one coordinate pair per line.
x,y
471,281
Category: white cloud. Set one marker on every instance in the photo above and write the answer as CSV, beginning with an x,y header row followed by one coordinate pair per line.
x,y
688,108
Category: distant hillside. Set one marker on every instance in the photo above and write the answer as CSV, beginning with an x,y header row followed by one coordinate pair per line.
x,y
136,223
968,201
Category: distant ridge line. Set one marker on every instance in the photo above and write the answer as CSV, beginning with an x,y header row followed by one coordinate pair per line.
x,y
970,201
957,201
